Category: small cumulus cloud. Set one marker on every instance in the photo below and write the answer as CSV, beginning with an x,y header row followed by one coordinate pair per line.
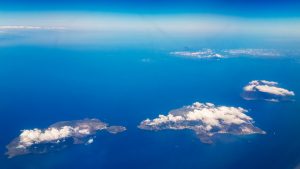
x,y
266,90
57,136
206,120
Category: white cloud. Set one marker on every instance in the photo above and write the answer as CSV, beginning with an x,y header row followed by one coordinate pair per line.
x,y
35,136
266,90
205,119
274,90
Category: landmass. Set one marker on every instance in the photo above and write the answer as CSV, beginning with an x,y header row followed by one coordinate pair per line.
x,y
58,136
206,120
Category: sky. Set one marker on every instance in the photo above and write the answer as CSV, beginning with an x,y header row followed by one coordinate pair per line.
x,y
169,18
245,8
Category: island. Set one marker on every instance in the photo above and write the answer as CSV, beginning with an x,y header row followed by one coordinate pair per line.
x,y
58,136
206,120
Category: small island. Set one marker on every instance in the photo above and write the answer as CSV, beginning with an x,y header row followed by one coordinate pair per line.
x,y
267,91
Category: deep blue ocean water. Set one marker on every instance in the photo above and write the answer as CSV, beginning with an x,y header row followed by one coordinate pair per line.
x,y
122,86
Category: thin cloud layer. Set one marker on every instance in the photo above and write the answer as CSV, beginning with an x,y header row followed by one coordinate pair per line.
x,y
229,53
12,27
58,136
26,27
206,120
254,52
4,29
266,90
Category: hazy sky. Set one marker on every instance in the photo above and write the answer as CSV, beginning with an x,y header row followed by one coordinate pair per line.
x,y
276,20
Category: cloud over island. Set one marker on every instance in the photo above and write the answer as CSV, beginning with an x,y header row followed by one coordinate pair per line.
x,y
266,90
200,54
206,120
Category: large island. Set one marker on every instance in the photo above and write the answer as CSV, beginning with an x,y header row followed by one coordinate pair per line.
x,y
58,136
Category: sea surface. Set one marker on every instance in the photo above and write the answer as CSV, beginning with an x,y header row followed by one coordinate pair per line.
x,y
41,85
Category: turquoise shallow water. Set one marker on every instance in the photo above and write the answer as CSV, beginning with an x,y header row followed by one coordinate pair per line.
x,y
42,85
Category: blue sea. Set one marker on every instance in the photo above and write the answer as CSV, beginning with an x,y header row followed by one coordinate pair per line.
x,y
43,84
